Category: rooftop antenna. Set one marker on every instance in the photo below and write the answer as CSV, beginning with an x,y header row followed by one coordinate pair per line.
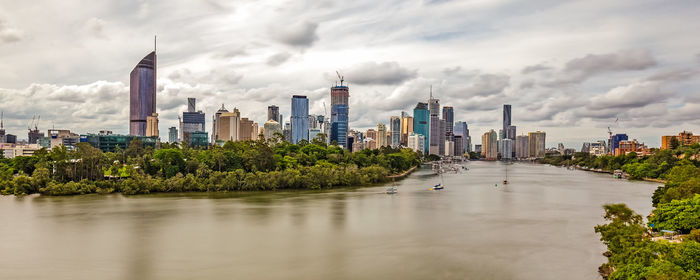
x,y
431,91
2,116
155,42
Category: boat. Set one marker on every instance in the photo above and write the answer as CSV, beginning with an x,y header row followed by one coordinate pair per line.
x,y
617,174
505,182
439,186
392,189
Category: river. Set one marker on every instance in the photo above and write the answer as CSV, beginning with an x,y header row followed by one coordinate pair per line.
x,y
540,226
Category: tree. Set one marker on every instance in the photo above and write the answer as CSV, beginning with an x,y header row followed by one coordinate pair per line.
x,y
171,161
674,144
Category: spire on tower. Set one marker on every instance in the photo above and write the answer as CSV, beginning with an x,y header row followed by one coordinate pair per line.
x,y
155,42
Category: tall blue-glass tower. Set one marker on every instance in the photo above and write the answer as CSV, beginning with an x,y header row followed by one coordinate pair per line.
x,y
421,118
300,118
339,113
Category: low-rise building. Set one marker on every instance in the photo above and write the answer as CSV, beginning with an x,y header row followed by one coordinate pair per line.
x,y
11,150
684,138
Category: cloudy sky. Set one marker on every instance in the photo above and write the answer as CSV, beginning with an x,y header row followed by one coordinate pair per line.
x,y
570,69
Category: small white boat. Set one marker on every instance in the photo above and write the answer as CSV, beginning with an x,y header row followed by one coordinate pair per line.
x,y
392,190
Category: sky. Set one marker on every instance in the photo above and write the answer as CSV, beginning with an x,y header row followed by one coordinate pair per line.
x,y
570,68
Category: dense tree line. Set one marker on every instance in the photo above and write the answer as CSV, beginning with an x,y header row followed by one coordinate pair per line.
x,y
631,252
243,165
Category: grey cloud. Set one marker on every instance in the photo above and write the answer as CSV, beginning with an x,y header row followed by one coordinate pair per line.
x,y
278,59
488,84
580,69
535,68
527,84
372,73
302,34
9,34
631,96
674,74
451,71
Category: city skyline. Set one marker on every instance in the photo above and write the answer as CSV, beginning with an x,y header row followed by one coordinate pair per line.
x,y
554,77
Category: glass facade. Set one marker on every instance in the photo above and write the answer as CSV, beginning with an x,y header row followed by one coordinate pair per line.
x,y
142,97
340,114
109,143
421,117
300,119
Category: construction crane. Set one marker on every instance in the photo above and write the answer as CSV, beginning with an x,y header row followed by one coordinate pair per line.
x,y
340,77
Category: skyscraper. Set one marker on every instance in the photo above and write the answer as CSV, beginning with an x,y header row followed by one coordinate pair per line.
x,y
395,127
142,97
406,127
172,135
448,114
340,110
443,137
462,129
506,149
216,125
506,118
522,146
300,119
537,144
435,131
192,122
381,136
489,145
273,113
421,119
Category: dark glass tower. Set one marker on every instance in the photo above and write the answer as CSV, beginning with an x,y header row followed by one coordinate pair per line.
x,y
340,110
142,102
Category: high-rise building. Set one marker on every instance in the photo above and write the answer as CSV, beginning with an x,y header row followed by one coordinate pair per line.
x,y
300,118
436,133
381,135
271,127
522,146
443,137
448,114
229,126
598,148
371,133
248,130
506,149
273,113
340,110
3,136
421,123
406,127
172,135
460,128
142,97
34,135
489,148
190,123
537,143
506,121
395,127
449,148
458,149
416,142
216,125
477,149
152,126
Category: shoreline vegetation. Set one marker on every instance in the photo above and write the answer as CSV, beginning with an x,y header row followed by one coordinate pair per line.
x,y
667,245
254,165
